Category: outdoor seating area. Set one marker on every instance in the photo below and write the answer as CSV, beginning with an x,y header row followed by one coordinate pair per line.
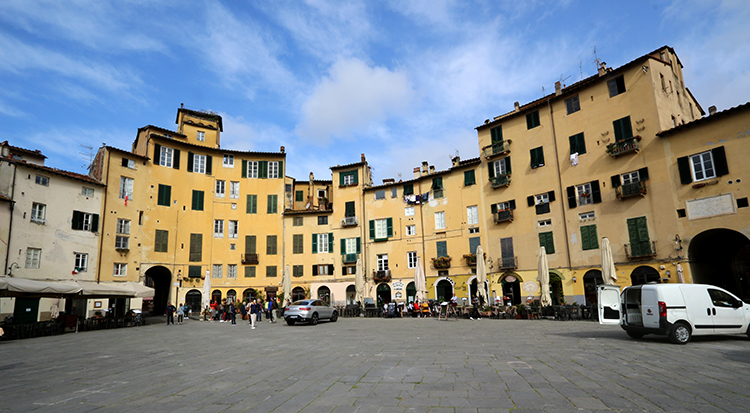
x,y
566,312
65,324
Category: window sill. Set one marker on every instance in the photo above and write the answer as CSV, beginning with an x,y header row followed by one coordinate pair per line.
x,y
380,239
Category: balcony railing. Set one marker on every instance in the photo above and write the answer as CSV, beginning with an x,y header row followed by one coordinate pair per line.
x,y
631,189
505,215
542,208
639,250
624,146
508,263
349,222
349,258
497,148
381,276
249,258
500,180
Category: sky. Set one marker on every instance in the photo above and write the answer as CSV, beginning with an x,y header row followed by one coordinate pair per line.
x,y
399,81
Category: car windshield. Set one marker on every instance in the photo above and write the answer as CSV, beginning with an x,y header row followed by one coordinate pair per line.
x,y
304,302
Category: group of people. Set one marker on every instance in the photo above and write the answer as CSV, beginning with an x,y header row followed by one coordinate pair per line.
x,y
227,311
181,310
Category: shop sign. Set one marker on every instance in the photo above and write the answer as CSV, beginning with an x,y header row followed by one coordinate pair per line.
x,y
510,279
398,295
398,285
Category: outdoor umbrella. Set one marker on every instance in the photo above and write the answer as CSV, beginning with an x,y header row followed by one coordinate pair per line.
x,y
359,282
16,287
206,291
419,281
286,287
544,277
481,276
680,275
609,273
139,290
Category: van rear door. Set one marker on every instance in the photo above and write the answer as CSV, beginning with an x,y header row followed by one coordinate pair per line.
x,y
608,297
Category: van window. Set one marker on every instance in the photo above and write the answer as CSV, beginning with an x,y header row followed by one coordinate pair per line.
x,y
722,299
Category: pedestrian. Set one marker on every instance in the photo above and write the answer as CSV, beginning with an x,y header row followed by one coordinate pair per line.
x,y
258,314
475,308
243,310
180,313
170,313
416,309
232,313
269,309
253,309
275,310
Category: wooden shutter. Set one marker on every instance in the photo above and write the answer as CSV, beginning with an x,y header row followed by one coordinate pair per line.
x,y
94,222
244,168
77,221
642,174
359,245
683,165
530,200
314,243
190,162
263,169
623,129
349,209
389,226
546,240
469,178
473,244
315,270
249,244
341,178
720,161
330,269
493,209
491,167
157,154
330,242
408,189
196,247
512,204
616,181
551,196
507,165
589,239
281,169
176,160
572,202
209,164
442,249
496,134
343,246
506,248
372,229
596,193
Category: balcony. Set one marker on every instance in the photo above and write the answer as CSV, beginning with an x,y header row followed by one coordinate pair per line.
x,y
631,190
508,263
500,181
383,276
249,259
505,215
624,147
640,250
441,263
349,222
497,148
542,208
349,258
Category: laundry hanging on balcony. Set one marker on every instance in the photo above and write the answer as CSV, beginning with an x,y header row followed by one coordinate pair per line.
x,y
574,158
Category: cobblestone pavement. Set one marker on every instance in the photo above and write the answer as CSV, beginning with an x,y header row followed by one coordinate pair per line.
x,y
374,365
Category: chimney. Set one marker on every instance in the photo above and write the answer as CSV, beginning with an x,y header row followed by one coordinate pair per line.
x,y
516,107
711,110
182,105
432,169
389,181
363,157
282,149
456,161
424,168
558,89
602,68
416,172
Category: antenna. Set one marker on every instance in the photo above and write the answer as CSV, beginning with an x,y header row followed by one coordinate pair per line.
x,y
597,61
563,80
580,67
88,154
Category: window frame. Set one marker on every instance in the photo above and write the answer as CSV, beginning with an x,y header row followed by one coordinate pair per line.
x,y
572,105
218,228
220,189
33,258
411,260
199,163
253,168
619,86
228,161
233,229
81,261
411,230
440,220
234,190
126,188
120,269
702,163
41,180
382,262
38,213
166,157
200,136
472,215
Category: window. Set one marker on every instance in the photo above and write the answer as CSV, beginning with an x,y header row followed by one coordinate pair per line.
x,y
323,220
194,271
126,188
616,86
496,134
545,223
409,189
231,270
232,247
252,204
572,105
541,199
586,216
123,226
409,211
437,187
348,178
440,220
120,269
323,269
503,206
33,255
630,178
218,228
164,197
199,164
702,166
250,244
166,156
273,170
201,136
234,190
323,243
87,191
229,161
38,213
394,192
297,221
271,271
380,194
589,239
249,272
161,238
382,262
81,262
532,120
271,244
349,210
411,259
411,230
469,178
577,144
299,196
537,157
351,246
623,129
472,215
298,244
84,221
127,163
474,230
500,167
442,248
298,270
584,194
272,204
220,188
196,248
218,271
640,245
197,203
122,239
547,241
42,180
252,169
381,229
233,229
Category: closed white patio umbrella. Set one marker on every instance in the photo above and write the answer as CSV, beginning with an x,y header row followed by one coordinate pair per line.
x,y
543,269
609,274
419,281
359,283
481,276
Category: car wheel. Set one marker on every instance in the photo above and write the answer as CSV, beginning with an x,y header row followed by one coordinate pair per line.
x,y
314,319
290,322
680,333
334,316
635,335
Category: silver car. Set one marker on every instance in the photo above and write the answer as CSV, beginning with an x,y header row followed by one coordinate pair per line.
x,y
310,311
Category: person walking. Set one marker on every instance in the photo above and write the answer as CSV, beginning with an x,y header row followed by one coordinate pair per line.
x,y
253,310
275,309
232,313
269,310
170,313
243,310
258,314
180,313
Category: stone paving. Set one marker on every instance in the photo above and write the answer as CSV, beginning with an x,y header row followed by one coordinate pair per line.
x,y
374,365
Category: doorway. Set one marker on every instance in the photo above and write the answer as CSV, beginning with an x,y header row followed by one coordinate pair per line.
x,y
193,299
644,274
591,280
160,278
721,257
384,294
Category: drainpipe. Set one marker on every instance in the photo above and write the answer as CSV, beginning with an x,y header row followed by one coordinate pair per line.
x,y
559,182
104,218
10,224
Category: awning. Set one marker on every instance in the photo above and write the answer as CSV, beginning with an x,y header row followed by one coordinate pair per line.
x,y
140,290
21,287
98,290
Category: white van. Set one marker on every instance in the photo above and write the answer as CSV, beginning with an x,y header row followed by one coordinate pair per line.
x,y
676,310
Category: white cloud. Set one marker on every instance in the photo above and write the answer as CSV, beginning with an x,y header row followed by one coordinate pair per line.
x,y
352,99
243,135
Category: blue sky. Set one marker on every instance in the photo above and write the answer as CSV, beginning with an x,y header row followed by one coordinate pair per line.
x,y
400,81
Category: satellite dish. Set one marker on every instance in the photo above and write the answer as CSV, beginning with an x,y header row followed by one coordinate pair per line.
x,y
307,206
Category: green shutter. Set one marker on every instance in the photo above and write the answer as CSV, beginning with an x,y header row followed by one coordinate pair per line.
x,y
349,209
263,169
176,165
372,229
299,196
389,227
244,168
473,244
314,243
720,161
209,164
546,240
496,134
408,189
250,244
683,165
77,221
589,239
281,169
343,246
157,154
469,178
491,167
623,129
94,222
190,162
442,249
507,165
196,247
330,242
359,245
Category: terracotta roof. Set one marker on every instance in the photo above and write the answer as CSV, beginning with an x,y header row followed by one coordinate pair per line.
x,y
16,149
199,114
161,129
468,162
60,172
124,152
282,154
307,211
705,120
351,165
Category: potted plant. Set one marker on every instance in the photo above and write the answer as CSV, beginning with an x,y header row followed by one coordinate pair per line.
x,y
471,259
441,262
520,311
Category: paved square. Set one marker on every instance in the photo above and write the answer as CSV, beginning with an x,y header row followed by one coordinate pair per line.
x,y
374,365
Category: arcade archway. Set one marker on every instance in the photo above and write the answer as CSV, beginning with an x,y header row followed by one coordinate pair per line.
x,y
351,294
193,299
644,274
160,278
721,257
511,286
324,293
591,280
384,294
298,293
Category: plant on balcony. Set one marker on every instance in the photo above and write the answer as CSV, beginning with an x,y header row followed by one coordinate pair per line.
x,y
441,262
471,259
